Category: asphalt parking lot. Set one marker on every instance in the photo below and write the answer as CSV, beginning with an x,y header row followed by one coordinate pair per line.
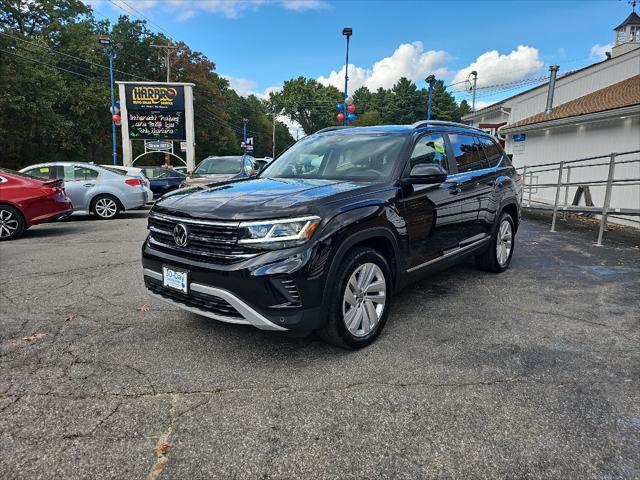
x,y
533,373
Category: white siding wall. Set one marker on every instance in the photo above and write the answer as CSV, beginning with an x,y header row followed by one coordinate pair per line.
x,y
588,140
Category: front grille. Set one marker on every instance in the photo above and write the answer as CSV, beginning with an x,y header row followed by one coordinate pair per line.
x,y
210,303
208,241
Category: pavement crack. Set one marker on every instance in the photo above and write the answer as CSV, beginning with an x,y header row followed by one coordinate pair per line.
x,y
162,445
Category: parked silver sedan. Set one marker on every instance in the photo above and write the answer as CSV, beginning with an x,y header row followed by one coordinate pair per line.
x,y
93,189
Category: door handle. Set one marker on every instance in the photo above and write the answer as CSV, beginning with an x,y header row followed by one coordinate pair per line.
x,y
454,189
88,184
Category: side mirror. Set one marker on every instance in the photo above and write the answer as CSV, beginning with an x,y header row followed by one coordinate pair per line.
x,y
427,173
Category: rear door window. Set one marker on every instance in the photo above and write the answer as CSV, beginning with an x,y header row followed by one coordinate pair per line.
x,y
492,152
467,152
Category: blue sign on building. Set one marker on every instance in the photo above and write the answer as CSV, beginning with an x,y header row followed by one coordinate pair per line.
x,y
519,137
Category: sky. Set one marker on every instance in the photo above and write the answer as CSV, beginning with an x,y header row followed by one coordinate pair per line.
x,y
258,44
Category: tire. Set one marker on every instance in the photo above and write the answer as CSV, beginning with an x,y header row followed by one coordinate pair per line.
x,y
12,223
497,257
362,306
105,207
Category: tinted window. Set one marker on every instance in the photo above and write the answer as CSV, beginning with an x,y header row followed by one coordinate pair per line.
x,y
40,172
430,149
340,156
491,151
468,152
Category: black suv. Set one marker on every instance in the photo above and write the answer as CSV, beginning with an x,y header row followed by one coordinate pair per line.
x,y
325,234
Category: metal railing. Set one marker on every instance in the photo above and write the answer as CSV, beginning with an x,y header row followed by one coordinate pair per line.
x,y
531,174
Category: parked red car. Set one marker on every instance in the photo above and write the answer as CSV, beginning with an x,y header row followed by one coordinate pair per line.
x,y
27,201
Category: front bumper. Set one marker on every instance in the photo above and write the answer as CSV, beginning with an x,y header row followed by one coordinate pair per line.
x,y
245,315
255,292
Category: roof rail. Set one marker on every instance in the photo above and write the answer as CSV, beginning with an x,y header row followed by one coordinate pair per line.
x,y
335,127
426,123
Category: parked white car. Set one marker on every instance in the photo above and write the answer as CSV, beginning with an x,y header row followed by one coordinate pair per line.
x,y
92,189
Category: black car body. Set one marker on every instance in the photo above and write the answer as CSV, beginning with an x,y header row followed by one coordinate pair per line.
x,y
429,196
163,180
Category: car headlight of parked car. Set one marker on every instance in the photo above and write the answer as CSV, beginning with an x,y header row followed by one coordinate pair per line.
x,y
281,233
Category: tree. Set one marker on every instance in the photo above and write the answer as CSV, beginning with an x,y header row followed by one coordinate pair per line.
x,y
308,102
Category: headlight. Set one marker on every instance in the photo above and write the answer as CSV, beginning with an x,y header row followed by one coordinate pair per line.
x,y
292,231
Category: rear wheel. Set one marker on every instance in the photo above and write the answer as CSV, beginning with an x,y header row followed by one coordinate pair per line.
x,y
498,256
12,223
105,207
360,300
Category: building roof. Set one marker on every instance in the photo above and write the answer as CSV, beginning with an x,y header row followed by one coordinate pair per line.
x,y
619,95
632,19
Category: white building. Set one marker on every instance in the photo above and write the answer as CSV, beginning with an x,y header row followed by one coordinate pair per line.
x,y
595,111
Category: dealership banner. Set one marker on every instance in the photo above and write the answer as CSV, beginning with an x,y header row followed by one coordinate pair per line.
x,y
154,97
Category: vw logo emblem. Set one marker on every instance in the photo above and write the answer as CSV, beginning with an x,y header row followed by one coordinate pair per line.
x,y
180,235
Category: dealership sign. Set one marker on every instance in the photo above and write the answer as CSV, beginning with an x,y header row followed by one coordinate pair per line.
x,y
155,112
158,145
154,97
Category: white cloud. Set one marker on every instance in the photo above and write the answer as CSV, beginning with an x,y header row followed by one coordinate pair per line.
x,y
493,68
598,52
301,5
408,60
185,9
242,86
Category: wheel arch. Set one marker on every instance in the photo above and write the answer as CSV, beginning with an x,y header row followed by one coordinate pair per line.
x,y
512,209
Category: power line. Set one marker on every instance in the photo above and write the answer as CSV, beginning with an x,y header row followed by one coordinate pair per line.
x,y
141,16
69,55
52,66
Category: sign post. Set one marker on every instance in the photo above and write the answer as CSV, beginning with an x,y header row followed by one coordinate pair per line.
x,y
160,112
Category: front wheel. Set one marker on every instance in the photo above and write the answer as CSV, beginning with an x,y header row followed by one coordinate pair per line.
x,y
105,207
11,223
360,300
498,256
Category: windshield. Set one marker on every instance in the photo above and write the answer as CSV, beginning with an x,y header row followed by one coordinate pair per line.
x,y
221,165
368,157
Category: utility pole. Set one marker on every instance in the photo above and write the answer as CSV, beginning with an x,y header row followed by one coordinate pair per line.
x,y
169,47
167,61
475,81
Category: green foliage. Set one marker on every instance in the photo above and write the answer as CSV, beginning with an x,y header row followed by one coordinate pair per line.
x,y
50,114
308,102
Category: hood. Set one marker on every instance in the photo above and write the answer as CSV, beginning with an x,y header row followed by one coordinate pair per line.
x,y
211,178
257,198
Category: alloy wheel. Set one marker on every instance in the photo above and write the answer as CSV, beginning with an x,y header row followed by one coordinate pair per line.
x,y
106,207
8,224
364,299
504,242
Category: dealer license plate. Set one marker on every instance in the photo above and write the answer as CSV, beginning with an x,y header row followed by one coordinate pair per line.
x,y
176,279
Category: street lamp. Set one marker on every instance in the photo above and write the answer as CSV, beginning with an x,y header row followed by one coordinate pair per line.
x,y
347,31
106,43
475,80
431,79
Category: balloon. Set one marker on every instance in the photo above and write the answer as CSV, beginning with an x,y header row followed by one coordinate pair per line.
x,y
340,117
115,118
339,106
351,108
352,117
349,101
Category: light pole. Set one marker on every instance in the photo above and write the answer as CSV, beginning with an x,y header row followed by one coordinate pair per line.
x,y
273,135
431,79
347,33
244,133
106,42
